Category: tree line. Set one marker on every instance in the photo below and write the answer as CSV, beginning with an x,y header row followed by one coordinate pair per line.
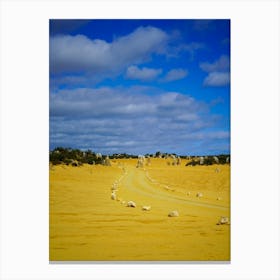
x,y
76,157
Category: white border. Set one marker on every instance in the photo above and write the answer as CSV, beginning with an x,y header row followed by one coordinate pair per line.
x,y
254,123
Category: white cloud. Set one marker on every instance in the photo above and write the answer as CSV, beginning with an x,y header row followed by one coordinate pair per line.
x,y
218,72
217,79
144,74
175,74
72,54
187,117
114,120
222,64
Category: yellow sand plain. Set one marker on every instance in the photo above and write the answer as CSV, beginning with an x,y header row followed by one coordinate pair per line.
x,y
87,225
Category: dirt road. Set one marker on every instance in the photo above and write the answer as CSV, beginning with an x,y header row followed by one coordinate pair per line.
x,y
138,181
87,225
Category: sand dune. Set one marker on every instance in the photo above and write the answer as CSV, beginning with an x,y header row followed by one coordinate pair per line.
x,y
86,224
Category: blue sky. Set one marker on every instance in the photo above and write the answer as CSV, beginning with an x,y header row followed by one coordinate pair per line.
x,y
140,86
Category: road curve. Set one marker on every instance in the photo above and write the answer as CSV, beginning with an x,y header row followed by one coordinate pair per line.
x,y
135,180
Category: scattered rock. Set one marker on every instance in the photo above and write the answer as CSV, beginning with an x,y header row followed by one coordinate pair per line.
x,y
173,213
131,204
223,221
199,194
113,196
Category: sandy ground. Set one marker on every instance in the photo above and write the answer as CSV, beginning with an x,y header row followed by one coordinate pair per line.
x,y
87,225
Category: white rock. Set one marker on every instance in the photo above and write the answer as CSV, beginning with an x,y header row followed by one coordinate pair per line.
x,y
199,194
131,204
113,196
173,213
146,208
223,221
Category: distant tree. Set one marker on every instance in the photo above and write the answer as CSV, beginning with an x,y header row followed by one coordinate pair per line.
x,y
208,161
222,159
158,154
192,163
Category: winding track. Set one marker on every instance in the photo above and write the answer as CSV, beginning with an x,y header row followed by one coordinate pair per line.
x,y
136,181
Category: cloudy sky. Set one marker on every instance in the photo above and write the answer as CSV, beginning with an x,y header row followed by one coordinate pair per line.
x,y
140,86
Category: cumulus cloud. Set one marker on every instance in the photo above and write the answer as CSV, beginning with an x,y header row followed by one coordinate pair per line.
x,y
217,79
114,120
222,64
74,54
142,74
101,102
175,74
218,72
